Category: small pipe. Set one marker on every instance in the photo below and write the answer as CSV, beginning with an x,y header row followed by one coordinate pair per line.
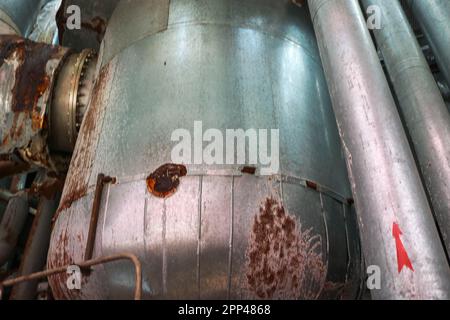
x,y
84,265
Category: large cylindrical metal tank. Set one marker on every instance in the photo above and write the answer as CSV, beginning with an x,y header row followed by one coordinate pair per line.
x,y
227,231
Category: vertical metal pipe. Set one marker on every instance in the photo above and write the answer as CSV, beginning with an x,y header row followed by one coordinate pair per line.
x,y
397,227
421,103
434,20
35,254
11,225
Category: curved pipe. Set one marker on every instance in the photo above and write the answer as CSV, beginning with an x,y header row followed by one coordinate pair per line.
x,y
421,103
398,231
84,265
434,20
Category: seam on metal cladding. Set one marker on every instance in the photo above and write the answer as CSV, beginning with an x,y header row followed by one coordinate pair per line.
x,y
347,241
324,218
304,182
199,234
105,215
230,243
144,228
164,249
174,26
248,27
317,8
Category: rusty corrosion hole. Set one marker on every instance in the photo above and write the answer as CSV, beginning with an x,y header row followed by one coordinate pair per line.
x,y
311,185
283,261
164,182
249,170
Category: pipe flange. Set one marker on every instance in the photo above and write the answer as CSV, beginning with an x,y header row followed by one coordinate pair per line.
x,y
71,98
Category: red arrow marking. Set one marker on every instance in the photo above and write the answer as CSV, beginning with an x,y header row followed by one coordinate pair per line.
x,y
402,255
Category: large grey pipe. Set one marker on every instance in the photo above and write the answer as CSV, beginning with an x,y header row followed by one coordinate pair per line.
x,y
421,103
434,20
397,227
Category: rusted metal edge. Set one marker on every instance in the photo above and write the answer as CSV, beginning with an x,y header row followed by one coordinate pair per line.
x,y
84,265
34,66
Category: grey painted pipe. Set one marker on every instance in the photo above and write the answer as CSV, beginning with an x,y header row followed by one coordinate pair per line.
x,y
35,254
421,103
11,225
398,232
434,20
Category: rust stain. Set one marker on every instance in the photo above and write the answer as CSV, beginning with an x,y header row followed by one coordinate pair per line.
x,y
283,261
35,65
249,170
164,181
59,257
97,25
32,78
311,185
80,169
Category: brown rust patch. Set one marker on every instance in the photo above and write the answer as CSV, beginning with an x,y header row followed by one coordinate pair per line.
x,y
311,185
249,170
283,262
32,78
59,257
164,181
97,25
79,173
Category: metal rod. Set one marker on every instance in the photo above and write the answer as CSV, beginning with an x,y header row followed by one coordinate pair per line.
x,y
86,264
101,181
398,231
421,103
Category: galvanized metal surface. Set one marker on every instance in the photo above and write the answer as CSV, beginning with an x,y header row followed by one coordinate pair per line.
x,y
7,26
45,29
22,12
434,19
28,70
231,64
422,106
386,185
